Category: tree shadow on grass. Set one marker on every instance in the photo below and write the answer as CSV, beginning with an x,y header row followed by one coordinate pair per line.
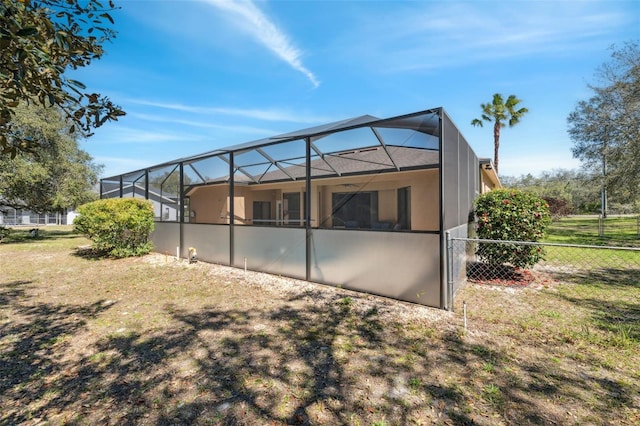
x,y
335,361
620,316
13,290
537,390
28,346
577,235
90,253
284,375
25,236
614,277
224,366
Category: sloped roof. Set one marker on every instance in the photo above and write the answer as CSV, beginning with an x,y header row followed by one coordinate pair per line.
x,y
426,122
329,128
112,190
363,160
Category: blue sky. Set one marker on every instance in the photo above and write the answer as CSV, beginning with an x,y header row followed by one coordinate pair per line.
x,y
194,76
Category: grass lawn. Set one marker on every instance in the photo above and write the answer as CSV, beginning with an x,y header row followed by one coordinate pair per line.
x,y
617,231
157,341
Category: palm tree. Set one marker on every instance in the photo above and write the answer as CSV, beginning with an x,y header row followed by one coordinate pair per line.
x,y
498,112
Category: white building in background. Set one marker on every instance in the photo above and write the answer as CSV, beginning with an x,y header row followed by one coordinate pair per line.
x,y
10,216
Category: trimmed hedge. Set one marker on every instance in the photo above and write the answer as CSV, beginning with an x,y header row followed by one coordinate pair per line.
x,y
119,227
514,215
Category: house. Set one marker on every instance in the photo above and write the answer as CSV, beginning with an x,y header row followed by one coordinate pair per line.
x,y
364,203
10,216
165,205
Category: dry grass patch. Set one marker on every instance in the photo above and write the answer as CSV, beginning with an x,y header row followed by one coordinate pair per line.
x,y
158,341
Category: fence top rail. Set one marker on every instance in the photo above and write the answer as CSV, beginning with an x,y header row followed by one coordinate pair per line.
x,y
538,243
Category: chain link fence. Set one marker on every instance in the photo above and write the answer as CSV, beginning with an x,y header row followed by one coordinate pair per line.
x,y
619,226
623,228
497,262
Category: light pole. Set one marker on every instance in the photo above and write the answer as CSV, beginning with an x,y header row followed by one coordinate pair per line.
x,y
603,198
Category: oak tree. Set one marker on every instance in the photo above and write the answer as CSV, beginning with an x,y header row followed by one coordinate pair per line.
x,y
40,40
605,128
59,175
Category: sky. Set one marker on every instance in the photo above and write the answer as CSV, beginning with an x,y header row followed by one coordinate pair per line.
x,y
195,76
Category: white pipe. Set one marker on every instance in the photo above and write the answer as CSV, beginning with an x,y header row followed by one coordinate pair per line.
x,y
177,252
245,266
464,309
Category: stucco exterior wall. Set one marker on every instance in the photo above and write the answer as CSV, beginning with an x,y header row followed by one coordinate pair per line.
x,y
425,204
488,180
210,203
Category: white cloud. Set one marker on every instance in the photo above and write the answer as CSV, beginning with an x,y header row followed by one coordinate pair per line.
x,y
258,25
128,135
434,35
118,165
270,114
204,125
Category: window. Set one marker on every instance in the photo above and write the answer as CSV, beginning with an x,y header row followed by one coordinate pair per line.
x,y
262,212
404,208
291,212
354,209
187,213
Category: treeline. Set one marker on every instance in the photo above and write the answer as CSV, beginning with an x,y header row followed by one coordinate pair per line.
x,y
605,130
572,192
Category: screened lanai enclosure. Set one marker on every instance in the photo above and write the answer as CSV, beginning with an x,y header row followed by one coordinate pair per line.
x,y
362,203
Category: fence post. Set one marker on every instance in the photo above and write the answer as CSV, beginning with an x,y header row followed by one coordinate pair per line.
x,y
600,226
449,306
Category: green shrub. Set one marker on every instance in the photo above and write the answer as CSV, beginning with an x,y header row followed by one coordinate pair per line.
x,y
4,232
510,214
119,227
558,207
